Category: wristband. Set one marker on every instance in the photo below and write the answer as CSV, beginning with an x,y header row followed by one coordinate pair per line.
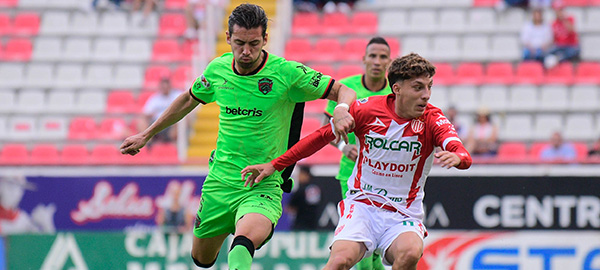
x,y
343,105
341,145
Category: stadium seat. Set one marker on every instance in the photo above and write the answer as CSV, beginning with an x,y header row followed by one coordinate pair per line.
x,y
141,158
469,73
305,24
590,24
481,20
499,73
354,49
494,97
82,128
149,27
154,74
579,127
529,73
523,98
113,129
327,50
587,73
315,107
44,154
141,101
298,49
445,48
512,152
464,97
60,101
577,3
106,50
74,154
439,96
8,3
22,128
5,24
554,98
589,47
475,48
182,78
505,48
55,23
136,50
11,75
485,3
560,74
82,24
77,49
175,4
335,24
324,68
39,75
113,24
545,124
14,154
516,127
120,102
394,46
172,25
348,70
47,49
535,149
106,154
69,76
30,101
511,21
166,50
444,74
26,24
452,21
393,22
582,150
128,76
363,23
7,101
99,75
164,153
18,49
420,45
422,21
90,102
33,3
584,98
53,128
189,49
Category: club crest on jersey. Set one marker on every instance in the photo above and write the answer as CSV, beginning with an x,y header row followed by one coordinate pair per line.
x,y
417,125
265,85
204,81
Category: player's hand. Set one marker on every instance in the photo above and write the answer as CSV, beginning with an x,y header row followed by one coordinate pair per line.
x,y
343,124
448,159
133,144
257,173
350,151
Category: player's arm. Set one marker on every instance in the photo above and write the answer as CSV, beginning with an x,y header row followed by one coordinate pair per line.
x,y
455,155
180,107
303,148
343,121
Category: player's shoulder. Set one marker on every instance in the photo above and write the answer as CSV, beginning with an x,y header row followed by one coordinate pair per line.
x,y
223,61
372,101
352,79
431,111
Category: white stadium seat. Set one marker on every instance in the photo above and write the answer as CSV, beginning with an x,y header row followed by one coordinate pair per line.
x,y
516,127
546,124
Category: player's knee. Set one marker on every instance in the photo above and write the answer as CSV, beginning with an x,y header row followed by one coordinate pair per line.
x,y
241,240
408,257
197,261
341,262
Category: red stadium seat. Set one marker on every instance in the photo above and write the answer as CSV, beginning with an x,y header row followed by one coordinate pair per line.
x,y
141,100
529,73
164,153
188,49
364,23
485,3
18,50
499,73
75,154
175,4
327,155
335,24
105,154
26,24
154,74
328,50
141,158
315,107
444,74
311,124
182,78
587,72
172,24
121,102
324,68
14,154
348,70
45,154
577,3
394,46
594,2
8,3
113,129
354,49
561,74
512,152
166,50
82,128
298,49
536,149
306,24
5,26
469,73
582,150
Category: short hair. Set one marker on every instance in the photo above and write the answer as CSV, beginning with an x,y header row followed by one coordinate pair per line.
x,y
408,67
378,40
248,16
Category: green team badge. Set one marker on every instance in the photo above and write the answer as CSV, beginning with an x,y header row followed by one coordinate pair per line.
x,y
265,85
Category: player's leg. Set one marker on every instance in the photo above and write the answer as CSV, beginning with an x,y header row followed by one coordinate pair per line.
x,y
345,254
251,232
205,250
405,251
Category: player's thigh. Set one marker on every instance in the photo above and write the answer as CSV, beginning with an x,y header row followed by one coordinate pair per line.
x,y
205,250
408,245
346,252
258,214
255,227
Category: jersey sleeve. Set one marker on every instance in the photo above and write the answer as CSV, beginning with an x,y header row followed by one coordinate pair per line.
x,y
443,130
306,84
202,89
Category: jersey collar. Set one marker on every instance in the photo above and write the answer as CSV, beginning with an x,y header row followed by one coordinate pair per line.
x,y
364,84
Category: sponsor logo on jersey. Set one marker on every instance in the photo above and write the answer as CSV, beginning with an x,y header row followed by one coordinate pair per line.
x,y
265,85
302,67
377,122
363,100
393,145
417,125
240,111
225,85
316,79
443,121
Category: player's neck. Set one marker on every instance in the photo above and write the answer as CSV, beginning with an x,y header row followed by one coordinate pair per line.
x,y
374,84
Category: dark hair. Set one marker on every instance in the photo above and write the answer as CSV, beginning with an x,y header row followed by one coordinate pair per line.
x,y
248,16
378,40
409,66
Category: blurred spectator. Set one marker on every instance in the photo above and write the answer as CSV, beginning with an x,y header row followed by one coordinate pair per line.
x,y
145,6
172,216
195,10
558,149
451,114
595,150
504,4
338,6
307,5
154,107
105,4
304,202
540,4
483,135
536,37
329,6
566,42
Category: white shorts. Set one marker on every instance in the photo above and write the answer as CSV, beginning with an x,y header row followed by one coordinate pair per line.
x,y
375,227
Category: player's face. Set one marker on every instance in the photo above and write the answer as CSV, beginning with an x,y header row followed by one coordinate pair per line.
x,y
246,45
376,60
412,96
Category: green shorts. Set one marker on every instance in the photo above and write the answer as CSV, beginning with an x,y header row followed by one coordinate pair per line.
x,y
221,206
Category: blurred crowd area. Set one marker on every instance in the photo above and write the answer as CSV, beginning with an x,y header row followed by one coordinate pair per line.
x,y
518,79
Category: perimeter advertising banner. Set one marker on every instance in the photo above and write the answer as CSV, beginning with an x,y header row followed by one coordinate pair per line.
x,y
444,250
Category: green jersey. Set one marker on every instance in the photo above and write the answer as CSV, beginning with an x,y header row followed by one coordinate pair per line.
x,y
355,82
255,111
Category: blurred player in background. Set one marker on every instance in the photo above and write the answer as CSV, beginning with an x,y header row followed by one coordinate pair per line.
x,y
372,83
258,94
398,134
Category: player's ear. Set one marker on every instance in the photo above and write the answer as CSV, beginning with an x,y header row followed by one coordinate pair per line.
x,y
265,38
228,37
396,87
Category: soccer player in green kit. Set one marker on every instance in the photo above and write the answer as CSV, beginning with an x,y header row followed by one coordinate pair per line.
x,y
372,83
258,94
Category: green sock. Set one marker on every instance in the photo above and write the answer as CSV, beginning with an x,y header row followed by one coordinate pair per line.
x,y
377,263
239,258
365,263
